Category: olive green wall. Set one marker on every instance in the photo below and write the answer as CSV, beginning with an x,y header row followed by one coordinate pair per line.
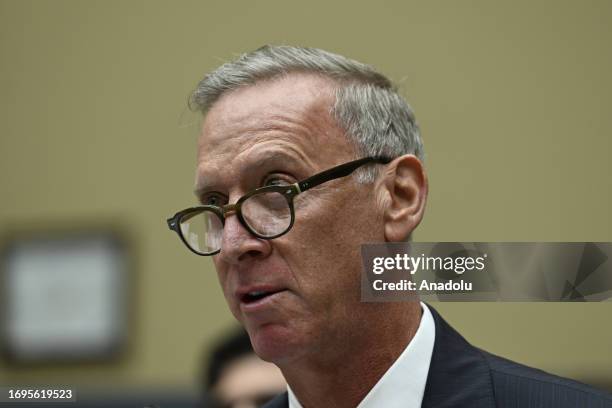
x,y
513,99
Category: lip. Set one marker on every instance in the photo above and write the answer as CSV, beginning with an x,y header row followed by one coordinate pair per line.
x,y
259,304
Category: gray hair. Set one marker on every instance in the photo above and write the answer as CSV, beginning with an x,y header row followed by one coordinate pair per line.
x,y
368,107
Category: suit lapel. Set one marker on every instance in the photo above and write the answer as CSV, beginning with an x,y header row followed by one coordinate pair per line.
x,y
458,374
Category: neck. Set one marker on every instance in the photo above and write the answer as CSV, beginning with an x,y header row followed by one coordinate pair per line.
x,y
348,366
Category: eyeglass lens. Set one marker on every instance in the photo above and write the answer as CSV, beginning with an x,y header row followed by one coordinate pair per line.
x,y
266,214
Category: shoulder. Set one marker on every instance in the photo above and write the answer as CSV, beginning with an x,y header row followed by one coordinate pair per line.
x,y
461,375
527,386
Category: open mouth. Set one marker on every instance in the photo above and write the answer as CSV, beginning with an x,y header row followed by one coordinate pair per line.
x,y
254,296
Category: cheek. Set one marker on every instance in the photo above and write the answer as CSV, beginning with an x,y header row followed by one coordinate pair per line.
x,y
223,278
223,283
326,268
335,251
324,249
221,273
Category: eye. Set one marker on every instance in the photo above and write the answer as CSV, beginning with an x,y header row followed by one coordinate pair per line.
x,y
215,199
277,180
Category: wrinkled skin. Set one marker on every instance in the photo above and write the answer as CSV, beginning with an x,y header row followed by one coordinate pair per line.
x,y
282,131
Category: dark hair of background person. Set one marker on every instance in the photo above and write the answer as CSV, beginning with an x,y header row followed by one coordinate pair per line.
x,y
235,377
232,346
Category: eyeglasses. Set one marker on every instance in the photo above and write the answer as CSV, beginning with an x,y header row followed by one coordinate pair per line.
x,y
266,212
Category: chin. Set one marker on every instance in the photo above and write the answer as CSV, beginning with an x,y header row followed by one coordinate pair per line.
x,y
275,343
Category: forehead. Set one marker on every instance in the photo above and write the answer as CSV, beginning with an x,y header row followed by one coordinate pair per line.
x,y
290,115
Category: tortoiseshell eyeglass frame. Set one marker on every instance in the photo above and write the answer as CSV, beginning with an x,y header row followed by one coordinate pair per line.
x,y
288,191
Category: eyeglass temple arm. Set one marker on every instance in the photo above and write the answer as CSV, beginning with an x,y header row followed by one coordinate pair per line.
x,y
339,171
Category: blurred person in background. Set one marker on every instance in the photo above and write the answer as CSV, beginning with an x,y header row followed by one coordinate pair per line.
x,y
236,377
283,129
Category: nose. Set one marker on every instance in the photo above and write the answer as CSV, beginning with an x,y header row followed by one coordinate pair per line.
x,y
238,245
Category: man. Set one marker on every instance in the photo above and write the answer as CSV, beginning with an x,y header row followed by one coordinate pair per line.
x,y
305,155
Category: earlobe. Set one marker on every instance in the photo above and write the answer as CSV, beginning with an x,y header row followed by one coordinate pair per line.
x,y
406,187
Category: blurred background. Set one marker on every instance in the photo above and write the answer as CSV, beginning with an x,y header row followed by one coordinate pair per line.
x,y
97,149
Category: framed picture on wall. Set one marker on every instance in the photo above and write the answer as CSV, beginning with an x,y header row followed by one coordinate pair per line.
x,y
64,295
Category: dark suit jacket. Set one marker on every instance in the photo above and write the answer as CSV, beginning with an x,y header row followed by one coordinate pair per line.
x,y
463,376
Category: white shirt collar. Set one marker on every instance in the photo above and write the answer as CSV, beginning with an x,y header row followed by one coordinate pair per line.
x,y
403,384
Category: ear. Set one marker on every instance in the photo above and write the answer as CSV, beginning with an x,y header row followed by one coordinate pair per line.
x,y
405,186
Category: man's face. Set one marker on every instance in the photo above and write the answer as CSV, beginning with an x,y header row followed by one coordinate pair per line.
x,y
274,132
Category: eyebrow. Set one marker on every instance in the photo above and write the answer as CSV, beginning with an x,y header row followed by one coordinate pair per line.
x,y
277,156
